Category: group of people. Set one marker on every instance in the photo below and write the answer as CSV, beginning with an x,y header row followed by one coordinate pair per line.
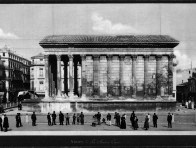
x,y
52,118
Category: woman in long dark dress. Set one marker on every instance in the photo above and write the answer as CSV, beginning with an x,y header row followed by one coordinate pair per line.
x,y
123,122
5,123
146,123
136,123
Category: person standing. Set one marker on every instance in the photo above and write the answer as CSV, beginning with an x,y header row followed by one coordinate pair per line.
x,y
74,119
109,119
169,120
146,123
17,120
135,125
155,118
118,119
82,118
1,126
78,118
99,118
123,122
27,118
61,118
67,119
132,117
53,118
33,118
49,119
5,123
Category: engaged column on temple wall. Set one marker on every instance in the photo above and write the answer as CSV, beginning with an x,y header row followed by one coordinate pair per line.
x,y
134,58
83,76
170,74
158,74
58,75
103,76
121,73
127,76
89,76
109,88
46,76
71,78
146,60
96,75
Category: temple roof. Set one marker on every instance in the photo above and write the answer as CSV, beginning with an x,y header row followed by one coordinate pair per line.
x,y
107,39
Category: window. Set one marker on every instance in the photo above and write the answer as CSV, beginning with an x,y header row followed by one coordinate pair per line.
x,y
3,53
41,72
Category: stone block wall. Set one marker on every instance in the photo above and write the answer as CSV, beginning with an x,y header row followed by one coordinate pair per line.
x,y
89,75
103,76
140,76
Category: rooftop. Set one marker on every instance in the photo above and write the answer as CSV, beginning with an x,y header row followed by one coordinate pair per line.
x,y
38,56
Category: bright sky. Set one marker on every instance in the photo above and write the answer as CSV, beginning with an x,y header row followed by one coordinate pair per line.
x,y
22,26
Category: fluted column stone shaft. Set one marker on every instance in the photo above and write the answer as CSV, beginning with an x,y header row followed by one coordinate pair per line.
x,y
71,78
84,81
46,58
59,91
134,79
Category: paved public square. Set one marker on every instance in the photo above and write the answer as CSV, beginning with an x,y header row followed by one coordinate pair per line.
x,y
185,120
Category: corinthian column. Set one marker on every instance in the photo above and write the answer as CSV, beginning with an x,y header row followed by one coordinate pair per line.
x,y
109,74
121,74
170,74
71,78
83,76
58,75
158,74
96,74
134,58
46,58
146,59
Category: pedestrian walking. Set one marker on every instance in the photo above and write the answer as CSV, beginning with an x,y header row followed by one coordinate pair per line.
x,y
155,118
33,118
5,123
27,118
132,117
169,120
148,117
123,122
74,119
135,125
54,118
78,118
82,118
172,118
67,119
109,119
1,122
61,118
49,119
146,123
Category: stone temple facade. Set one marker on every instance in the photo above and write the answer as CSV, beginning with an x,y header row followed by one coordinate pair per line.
x,y
129,66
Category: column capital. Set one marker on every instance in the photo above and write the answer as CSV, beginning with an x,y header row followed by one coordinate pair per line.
x,y
134,57
70,57
96,57
158,57
146,57
121,57
46,57
83,56
58,56
171,57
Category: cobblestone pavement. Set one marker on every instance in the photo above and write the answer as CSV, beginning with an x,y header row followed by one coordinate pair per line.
x,y
185,120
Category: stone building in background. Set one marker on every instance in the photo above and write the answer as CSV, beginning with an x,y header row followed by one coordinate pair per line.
x,y
129,66
15,74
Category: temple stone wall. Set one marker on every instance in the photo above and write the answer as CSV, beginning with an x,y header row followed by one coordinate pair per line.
x,y
103,76
89,75
127,76
140,76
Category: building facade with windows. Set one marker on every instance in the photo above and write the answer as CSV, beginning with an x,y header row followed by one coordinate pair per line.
x,y
133,66
15,74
